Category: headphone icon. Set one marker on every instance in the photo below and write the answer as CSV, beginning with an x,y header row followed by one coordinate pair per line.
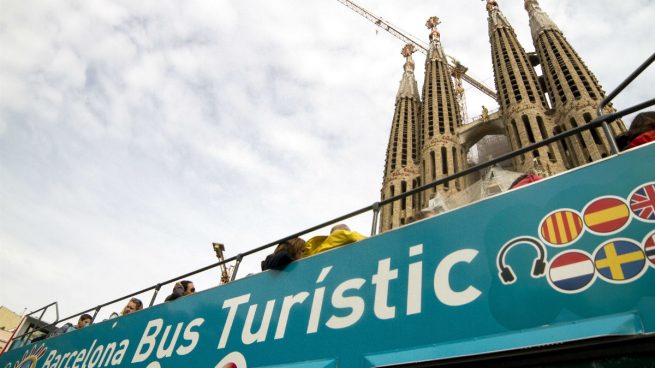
x,y
507,276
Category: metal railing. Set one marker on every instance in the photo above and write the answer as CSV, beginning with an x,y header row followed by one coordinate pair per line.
x,y
601,120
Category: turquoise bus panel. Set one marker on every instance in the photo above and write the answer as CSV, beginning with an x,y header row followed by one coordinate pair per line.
x,y
568,258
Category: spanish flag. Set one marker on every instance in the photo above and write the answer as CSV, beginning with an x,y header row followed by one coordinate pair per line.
x,y
561,227
606,215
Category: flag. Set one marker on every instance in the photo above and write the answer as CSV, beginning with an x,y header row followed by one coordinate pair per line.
x,y
571,271
606,215
561,227
642,202
649,247
620,260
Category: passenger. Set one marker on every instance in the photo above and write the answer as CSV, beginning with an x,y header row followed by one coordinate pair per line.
x,y
524,179
82,322
285,253
133,305
182,288
339,235
642,131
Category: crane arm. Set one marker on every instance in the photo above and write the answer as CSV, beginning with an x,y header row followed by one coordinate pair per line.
x,y
420,46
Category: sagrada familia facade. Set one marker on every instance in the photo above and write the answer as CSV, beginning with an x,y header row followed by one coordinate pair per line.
x,y
429,141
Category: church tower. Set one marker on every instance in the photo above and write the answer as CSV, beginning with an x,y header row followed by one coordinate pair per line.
x,y
522,102
574,92
441,153
401,172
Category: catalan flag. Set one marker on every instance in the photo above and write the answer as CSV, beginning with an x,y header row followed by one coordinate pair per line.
x,y
620,260
606,215
649,248
561,227
642,202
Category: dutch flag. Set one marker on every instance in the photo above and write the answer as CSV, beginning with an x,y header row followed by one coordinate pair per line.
x,y
571,271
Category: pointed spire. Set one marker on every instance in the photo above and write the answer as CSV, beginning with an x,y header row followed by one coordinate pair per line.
x,y
436,51
491,5
496,18
539,20
407,52
432,24
408,86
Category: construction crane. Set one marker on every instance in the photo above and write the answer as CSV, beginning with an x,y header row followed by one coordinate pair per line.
x,y
456,68
226,272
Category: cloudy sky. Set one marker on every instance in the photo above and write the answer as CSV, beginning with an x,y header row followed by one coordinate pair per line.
x,y
133,134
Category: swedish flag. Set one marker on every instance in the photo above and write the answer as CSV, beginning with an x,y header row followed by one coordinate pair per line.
x,y
620,260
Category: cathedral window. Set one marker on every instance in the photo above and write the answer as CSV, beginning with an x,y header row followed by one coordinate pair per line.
x,y
517,138
456,167
528,128
593,131
392,204
433,165
444,165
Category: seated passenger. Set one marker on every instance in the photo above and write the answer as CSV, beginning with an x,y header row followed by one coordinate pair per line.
x,y
182,288
339,235
133,305
642,131
284,254
82,322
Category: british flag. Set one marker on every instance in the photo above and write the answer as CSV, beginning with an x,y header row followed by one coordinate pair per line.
x,y
642,202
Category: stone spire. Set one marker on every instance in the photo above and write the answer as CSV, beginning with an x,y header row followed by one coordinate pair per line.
x,y
539,20
401,172
522,102
408,86
436,50
574,91
441,153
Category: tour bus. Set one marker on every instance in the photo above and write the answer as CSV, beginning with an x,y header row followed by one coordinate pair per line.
x,y
559,273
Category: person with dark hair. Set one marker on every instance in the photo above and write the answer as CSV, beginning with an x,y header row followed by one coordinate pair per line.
x,y
642,131
285,253
182,288
82,322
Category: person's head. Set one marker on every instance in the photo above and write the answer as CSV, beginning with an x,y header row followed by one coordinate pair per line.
x,y
84,321
339,227
295,247
132,306
188,287
642,123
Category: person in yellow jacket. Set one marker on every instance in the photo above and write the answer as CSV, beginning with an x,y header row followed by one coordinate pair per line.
x,y
339,235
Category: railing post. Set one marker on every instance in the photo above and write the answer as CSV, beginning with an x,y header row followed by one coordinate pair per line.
x,y
376,212
236,267
95,314
152,301
29,337
610,138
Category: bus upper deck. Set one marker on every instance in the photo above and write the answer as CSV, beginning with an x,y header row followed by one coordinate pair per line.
x,y
562,269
